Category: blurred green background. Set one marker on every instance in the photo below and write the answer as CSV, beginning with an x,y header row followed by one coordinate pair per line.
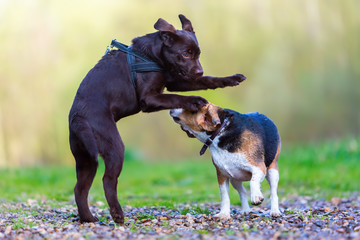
x,y
301,59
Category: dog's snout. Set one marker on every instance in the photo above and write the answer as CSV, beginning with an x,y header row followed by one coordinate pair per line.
x,y
199,72
175,112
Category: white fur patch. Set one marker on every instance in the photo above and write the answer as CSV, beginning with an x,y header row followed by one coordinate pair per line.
x,y
273,178
232,165
225,201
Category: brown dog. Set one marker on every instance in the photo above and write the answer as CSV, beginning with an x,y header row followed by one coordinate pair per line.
x,y
107,94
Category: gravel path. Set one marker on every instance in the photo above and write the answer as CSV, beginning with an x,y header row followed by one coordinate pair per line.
x,y
303,218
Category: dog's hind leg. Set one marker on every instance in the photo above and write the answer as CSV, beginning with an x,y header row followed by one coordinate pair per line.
x,y
272,177
84,149
112,150
245,208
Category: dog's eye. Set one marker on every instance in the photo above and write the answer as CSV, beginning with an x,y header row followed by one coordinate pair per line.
x,y
186,54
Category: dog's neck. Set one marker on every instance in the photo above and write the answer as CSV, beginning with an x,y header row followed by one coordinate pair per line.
x,y
150,46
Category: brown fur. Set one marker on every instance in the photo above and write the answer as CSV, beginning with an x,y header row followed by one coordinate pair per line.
x,y
107,94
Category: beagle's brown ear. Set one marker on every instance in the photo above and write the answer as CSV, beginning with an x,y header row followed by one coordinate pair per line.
x,y
210,120
212,112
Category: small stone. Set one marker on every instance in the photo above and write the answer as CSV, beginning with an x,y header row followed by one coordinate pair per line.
x,y
335,201
327,210
357,228
121,229
341,230
100,203
20,237
163,218
7,230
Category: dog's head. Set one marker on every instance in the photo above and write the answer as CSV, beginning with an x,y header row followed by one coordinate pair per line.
x,y
195,124
180,49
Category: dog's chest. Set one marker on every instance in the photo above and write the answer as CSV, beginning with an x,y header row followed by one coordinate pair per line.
x,y
232,165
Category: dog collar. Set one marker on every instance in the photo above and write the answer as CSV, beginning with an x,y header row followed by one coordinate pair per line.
x,y
145,66
210,139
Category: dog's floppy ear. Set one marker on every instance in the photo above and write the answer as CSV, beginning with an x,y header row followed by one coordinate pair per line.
x,y
186,24
210,120
212,112
167,31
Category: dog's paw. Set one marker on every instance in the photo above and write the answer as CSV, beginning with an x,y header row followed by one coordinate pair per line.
x,y
239,78
235,80
222,216
88,219
275,213
195,103
257,199
245,211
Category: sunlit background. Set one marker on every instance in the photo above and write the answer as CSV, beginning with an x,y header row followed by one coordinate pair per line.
x,y
301,59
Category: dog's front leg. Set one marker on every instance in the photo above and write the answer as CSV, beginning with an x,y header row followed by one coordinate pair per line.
x,y
224,195
151,103
205,82
238,185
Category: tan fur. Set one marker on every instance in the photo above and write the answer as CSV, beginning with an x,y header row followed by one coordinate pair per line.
x,y
274,164
220,177
249,144
206,119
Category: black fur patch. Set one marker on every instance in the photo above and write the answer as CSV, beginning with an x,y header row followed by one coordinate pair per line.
x,y
259,125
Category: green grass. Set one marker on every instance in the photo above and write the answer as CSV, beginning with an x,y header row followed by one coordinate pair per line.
x,y
322,170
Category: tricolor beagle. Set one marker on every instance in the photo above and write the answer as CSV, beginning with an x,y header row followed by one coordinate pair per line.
x,y
244,147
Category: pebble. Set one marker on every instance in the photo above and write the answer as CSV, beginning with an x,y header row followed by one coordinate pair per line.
x,y
304,218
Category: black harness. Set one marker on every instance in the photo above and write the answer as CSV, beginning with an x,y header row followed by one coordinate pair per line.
x,y
145,66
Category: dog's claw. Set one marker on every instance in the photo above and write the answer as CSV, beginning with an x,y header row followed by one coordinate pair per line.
x,y
257,200
275,214
240,77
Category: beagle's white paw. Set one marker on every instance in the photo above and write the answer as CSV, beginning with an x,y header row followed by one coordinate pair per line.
x,y
222,216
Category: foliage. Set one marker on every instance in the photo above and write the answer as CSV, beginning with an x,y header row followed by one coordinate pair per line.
x,y
301,59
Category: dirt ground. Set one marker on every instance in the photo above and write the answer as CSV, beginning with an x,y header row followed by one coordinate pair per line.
x,y
303,218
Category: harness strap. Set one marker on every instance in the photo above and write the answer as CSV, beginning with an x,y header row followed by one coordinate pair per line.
x,y
146,66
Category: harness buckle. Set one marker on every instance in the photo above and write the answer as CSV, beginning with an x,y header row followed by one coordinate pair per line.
x,y
109,48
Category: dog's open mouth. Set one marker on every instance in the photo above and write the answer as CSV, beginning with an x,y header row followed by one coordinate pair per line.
x,y
176,119
187,132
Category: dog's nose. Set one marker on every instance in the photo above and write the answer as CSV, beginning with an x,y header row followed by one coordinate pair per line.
x,y
199,72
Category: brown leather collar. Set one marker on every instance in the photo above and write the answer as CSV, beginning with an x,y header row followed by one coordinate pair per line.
x,y
210,139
